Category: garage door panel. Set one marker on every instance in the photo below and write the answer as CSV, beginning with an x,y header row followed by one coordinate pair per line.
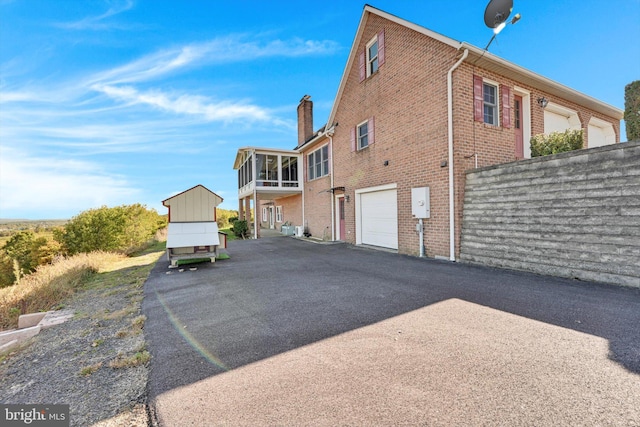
x,y
379,218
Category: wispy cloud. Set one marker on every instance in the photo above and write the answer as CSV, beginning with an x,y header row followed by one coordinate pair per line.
x,y
96,22
225,111
234,48
57,185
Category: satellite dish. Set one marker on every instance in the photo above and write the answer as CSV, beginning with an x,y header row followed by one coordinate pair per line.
x,y
497,12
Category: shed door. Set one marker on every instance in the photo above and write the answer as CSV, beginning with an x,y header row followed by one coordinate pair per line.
x,y
379,218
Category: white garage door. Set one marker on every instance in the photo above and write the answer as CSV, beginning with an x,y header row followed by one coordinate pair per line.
x,y
379,218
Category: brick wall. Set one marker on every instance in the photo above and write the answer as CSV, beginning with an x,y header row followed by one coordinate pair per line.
x,y
408,99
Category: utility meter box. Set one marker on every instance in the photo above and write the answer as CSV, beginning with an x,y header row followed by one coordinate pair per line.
x,y
420,204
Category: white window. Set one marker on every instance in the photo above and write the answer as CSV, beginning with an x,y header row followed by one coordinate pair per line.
x,y
363,135
490,97
318,162
264,215
278,213
372,56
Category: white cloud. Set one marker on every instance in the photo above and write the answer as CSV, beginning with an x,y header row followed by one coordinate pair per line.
x,y
95,22
188,104
234,48
48,185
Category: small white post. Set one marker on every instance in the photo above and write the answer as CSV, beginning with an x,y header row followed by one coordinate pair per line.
x,y
421,226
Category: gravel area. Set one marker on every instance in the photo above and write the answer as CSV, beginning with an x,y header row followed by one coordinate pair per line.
x,y
96,362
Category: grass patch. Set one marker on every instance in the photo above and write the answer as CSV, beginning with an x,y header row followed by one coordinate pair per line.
x,y
88,370
136,359
137,323
51,284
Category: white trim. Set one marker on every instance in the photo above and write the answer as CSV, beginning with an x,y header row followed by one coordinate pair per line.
x,y
377,188
278,213
264,214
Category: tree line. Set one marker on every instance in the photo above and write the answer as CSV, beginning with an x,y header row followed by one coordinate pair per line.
x,y
123,229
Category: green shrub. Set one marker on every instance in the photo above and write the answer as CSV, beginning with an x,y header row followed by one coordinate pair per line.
x,y
122,229
557,142
241,229
632,110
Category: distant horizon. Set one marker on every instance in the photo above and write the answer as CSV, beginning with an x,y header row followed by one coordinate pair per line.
x,y
116,102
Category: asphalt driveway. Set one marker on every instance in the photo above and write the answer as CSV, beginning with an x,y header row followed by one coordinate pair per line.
x,y
289,332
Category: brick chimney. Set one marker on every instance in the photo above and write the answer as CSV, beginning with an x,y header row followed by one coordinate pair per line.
x,y
305,120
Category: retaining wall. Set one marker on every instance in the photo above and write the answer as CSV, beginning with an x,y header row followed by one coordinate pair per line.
x,y
573,215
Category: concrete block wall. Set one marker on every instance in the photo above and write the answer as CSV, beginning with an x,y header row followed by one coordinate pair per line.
x,y
573,215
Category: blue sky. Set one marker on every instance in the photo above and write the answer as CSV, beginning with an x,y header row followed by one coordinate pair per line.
x,y
110,102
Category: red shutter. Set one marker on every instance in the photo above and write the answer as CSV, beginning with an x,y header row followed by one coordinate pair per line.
x,y
506,106
370,128
381,50
478,99
353,139
363,69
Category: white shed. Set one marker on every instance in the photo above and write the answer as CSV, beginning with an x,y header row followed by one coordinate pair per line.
x,y
193,230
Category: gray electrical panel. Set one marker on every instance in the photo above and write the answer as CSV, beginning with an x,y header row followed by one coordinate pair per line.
x,y
420,204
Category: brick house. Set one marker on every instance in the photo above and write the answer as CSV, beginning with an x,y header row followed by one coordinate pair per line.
x,y
414,109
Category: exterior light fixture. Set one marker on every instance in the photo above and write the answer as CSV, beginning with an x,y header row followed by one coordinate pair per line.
x,y
543,102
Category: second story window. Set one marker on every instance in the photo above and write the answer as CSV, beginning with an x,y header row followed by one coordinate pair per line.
x,y
490,97
318,162
372,57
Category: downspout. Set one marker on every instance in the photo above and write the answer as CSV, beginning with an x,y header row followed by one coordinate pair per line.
x,y
255,196
333,219
452,220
